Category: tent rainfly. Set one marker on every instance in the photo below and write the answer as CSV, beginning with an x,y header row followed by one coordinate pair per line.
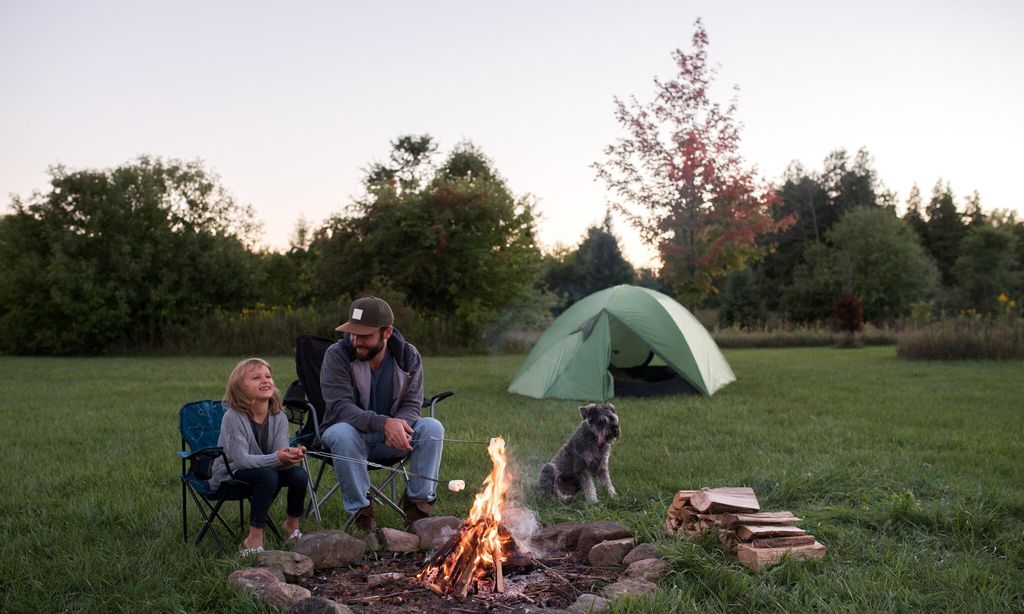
x,y
620,341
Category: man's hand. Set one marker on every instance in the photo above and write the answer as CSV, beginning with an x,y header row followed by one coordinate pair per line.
x,y
398,434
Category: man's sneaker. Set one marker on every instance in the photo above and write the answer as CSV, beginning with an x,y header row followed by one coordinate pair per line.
x,y
415,510
364,520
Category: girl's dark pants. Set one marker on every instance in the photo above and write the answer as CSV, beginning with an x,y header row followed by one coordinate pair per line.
x,y
265,484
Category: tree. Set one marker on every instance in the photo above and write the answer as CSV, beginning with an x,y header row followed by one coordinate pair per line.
x,y
870,253
678,176
114,256
945,231
460,247
803,200
741,301
595,265
814,201
410,157
973,212
986,267
914,216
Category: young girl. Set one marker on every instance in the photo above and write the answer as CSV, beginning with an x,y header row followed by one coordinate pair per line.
x,y
254,436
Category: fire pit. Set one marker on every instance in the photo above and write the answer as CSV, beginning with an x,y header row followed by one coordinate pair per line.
x,y
481,566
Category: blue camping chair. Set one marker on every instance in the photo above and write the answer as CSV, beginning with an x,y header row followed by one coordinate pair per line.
x,y
199,424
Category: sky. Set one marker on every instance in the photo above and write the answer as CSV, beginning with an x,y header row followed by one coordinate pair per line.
x,y
288,103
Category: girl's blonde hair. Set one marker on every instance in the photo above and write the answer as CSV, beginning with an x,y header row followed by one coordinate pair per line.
x,y
236,399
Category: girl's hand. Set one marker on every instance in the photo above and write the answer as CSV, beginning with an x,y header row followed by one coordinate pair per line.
x,y
290,456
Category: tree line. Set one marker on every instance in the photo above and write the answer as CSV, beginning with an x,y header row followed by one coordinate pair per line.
x,y
112,259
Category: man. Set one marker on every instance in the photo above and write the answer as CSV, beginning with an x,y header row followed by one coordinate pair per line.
x,y
372,381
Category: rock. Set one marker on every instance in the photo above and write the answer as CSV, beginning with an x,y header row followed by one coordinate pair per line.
x,y
383,578
610,553
595,533
330,548
553,538
319,605
293,565
532,609
282,596
435,530
626,587
250,579
399,541
642,551
587,603
648,569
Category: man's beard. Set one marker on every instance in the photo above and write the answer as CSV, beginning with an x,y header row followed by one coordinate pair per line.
x,y
371,352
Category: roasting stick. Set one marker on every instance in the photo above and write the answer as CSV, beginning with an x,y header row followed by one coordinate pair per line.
x,y
448,439
452,484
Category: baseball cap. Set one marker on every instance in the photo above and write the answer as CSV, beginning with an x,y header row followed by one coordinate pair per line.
x,y
366,315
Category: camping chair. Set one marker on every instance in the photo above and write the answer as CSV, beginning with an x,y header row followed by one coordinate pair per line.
x,y
199,425
305,392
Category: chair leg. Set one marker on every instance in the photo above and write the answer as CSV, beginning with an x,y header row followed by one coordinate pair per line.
x,y
317,502
210,513
184,513
314,504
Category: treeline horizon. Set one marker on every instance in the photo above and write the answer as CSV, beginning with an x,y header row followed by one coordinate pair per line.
x,y
151,251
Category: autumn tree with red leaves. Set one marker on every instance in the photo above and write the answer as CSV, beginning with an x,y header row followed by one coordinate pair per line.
x,y
678,177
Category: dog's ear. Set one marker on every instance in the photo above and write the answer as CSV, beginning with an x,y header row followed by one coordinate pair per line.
x,y
585,409
611,408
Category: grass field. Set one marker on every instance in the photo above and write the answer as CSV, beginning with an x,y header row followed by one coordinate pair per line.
x,y
909,472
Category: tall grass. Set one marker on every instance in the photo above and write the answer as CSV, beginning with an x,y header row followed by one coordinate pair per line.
x,y
964,340
800,336
907,471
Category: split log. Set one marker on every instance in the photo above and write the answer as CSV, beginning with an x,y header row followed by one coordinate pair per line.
x,y
747,532
783,542
732,520
719,500
682,498
759,558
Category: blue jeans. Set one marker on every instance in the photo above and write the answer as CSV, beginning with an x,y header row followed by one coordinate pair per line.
x,y
425,459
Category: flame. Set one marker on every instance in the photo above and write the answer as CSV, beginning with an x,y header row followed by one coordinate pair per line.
x,y
480,534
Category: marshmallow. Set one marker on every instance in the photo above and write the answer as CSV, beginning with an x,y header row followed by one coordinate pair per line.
x,y
456,485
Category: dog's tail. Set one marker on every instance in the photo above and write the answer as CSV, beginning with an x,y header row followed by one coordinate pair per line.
x,y
547,478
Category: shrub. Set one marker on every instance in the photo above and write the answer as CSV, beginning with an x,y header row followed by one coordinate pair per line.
x,y
848,313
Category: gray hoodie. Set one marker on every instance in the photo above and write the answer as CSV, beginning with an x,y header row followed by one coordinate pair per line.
x,y
241,448
345,383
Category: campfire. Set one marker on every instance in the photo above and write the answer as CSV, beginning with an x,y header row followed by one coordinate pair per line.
x,y
472,558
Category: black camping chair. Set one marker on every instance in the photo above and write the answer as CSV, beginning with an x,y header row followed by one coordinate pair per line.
x,y
304,395
199,425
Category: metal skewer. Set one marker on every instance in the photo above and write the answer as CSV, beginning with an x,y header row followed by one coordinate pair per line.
x,y
375,465
486,443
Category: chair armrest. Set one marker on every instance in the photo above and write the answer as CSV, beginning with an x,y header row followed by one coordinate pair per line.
x,y
201,454
432,402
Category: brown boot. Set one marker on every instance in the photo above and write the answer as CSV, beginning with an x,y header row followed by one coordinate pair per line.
x,y
415,510
364,520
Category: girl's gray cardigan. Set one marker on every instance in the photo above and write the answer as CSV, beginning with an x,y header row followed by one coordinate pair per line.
x,y
240,445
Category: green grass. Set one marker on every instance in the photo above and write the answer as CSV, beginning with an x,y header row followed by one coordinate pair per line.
x,y
909,472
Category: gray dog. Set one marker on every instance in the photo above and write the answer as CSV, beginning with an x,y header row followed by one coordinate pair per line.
x,y
584,456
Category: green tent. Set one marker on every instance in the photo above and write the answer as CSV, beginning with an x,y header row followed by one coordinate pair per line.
x,y
622,340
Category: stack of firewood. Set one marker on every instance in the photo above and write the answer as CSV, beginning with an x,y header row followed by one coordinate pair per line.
x,y
757,538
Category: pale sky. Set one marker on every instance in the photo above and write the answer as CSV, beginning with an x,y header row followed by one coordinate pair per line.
x,y
289,102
